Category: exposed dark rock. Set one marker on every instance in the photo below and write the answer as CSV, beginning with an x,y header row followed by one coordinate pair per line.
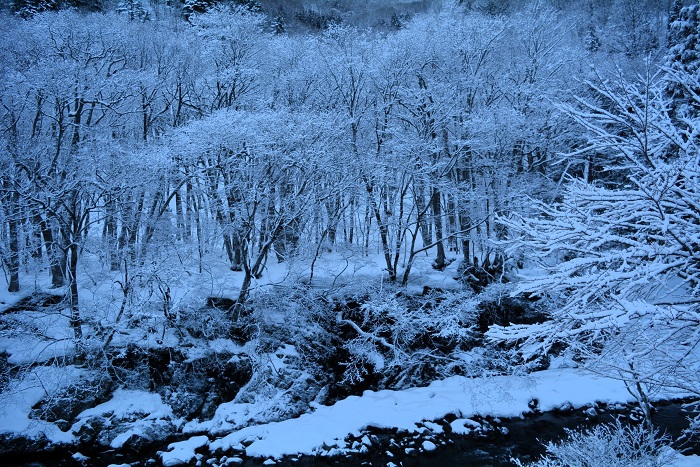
x,y
89,431
194,388
199,386
66,405
144,368
13,445
508,311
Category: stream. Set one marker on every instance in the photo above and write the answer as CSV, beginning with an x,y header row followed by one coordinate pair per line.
x,y
523,440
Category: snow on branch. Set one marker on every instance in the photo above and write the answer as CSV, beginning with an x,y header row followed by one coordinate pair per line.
x,y
619,255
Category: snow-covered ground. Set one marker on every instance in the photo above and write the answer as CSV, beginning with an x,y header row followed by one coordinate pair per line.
x,y
328,426
17,400
323,426
346,271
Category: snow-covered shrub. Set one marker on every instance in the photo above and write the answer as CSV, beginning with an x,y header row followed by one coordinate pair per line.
x,y
298,316
409,340
279,389
292,349
611,445
692,433
209,323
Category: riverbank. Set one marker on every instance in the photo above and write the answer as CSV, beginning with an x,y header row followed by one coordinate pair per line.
x,y
483,441
470,405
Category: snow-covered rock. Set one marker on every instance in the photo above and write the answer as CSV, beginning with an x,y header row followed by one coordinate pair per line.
x,y
464,426
429,446
131,419
182,452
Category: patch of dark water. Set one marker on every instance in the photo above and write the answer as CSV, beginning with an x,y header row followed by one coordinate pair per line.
x,y
526,438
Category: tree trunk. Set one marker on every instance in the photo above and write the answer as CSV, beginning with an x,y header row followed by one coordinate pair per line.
x,y
13,258
57,257
181,231
152,219
351,228
287,241
75,320
109,232
452,222
435,199
126,244
383,231
426,234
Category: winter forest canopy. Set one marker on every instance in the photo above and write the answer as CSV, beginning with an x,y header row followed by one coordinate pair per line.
x,y
287,203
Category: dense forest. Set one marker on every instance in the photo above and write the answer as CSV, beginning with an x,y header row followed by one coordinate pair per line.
x,y
238,212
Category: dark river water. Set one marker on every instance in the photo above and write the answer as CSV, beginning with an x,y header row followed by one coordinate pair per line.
x,y
523,441
525,438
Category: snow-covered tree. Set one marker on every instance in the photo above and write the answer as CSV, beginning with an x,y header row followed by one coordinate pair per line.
x,y
621,260
684,56
29,8
133,9
260,170
191,7
636,28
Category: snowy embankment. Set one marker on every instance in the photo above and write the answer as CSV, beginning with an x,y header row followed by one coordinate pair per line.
x,y
328,426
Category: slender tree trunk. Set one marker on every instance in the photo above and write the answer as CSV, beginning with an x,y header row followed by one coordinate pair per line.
x,y
419,199
152,219
440,260
463,218
255,268
38,251
288,240
56,256
231,245
452,222
75,321
86,225
126,244
411,257
200,240
351,227
109,232
189,201
464,223
181,231
368,226
13,258
384,235
333,207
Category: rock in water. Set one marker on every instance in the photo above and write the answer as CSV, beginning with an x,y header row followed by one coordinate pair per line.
x,y
429,446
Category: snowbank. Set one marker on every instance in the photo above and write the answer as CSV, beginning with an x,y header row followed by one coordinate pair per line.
x,y
504,396
17,400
